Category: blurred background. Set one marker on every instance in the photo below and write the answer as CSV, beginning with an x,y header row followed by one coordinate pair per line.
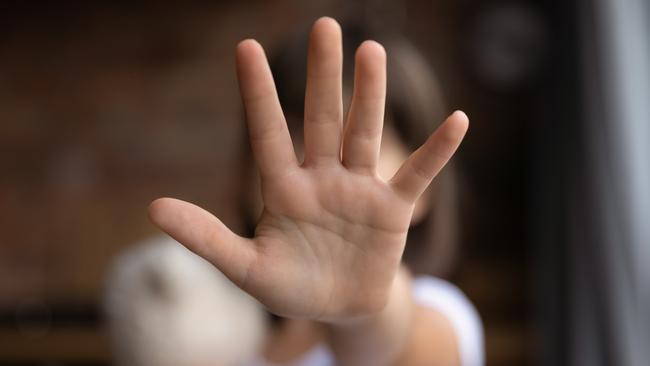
x,y
105,106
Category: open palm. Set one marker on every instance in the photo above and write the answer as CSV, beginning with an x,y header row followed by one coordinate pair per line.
x,y
332,232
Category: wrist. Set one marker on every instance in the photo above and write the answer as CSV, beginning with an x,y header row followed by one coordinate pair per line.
x,y
383,334
398,298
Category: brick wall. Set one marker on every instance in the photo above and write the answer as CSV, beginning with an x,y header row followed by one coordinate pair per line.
x,y
104,108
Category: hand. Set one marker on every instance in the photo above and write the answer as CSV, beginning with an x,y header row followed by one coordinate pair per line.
x,y
332,232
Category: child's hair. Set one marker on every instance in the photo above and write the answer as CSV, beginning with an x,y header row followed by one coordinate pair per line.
x,y
414,107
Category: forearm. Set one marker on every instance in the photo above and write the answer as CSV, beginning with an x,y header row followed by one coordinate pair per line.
x,y
377,339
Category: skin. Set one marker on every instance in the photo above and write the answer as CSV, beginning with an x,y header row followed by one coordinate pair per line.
x,y
327,247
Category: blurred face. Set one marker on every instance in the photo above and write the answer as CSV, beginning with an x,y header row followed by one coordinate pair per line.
x,y
392,154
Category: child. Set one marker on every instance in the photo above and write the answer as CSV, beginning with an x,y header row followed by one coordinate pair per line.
x,y
326,254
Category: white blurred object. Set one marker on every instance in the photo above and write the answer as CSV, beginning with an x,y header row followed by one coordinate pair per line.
x,y
167,306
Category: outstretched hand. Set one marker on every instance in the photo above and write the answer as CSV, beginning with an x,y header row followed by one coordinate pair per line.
x,y
330,238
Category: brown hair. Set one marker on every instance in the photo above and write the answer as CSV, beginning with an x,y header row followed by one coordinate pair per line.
x,y
414,107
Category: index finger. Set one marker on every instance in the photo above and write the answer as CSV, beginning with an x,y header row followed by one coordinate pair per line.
x,y
267,128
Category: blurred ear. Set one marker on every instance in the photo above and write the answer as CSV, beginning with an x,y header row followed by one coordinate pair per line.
x,y
392,154
423,205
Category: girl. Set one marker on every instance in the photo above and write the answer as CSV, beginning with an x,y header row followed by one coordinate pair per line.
x,y
326,251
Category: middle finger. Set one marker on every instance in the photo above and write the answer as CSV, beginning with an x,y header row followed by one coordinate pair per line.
x,y
323,95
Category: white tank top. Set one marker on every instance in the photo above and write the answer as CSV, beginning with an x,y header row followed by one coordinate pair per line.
x,y
436,294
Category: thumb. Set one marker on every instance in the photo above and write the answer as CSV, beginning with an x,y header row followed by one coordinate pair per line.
x,y
204,234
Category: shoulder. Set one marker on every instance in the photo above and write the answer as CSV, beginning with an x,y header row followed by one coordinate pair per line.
x,y
449,301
